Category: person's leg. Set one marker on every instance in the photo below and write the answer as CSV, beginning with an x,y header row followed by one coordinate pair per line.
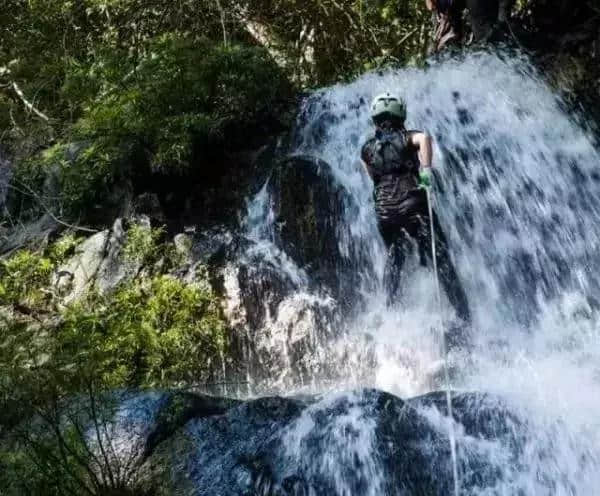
x,y
447,273
398,247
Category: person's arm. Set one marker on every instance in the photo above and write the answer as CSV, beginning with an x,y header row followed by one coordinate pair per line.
x,y
424,143
364,164
430,4
364,157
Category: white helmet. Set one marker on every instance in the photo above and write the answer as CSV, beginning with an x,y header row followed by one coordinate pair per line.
x,y
388,106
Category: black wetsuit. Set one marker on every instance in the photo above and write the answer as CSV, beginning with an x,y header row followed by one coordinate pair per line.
x,y
402,213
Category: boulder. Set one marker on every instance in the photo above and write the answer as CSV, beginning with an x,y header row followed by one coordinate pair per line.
x,y
363,442
74,278
97,264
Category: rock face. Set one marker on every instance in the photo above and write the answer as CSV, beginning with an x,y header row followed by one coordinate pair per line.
x,y
97,264
308,204
288,277
366,442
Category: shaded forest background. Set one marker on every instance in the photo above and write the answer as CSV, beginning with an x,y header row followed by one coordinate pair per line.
x,y
169,75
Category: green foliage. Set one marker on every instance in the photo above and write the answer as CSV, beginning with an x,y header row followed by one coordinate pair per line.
x,y
142,245
153,331
183,96
159,85
68,180
23,277
159,332
329,40
62,248
183,101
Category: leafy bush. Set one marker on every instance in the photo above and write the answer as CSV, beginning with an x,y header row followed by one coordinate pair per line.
x,y
143,245
23,278
67,180
183,96
181,104
154,331
158,332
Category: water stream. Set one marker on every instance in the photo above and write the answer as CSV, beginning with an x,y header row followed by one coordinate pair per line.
x,y
517,191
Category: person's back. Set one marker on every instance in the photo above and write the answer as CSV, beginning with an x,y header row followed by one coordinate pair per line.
x,y
392,162
399,163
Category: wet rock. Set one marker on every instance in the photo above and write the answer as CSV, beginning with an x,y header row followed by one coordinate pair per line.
x,y
365,442
308,204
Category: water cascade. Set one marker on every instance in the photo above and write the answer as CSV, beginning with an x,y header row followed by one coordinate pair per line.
x,y
517,191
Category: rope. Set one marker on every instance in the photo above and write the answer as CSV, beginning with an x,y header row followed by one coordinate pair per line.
x,y
444,350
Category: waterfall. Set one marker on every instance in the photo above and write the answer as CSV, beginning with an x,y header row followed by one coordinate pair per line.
x,y
517,191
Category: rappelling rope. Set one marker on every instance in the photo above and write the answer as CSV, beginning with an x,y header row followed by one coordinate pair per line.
x,y
451,433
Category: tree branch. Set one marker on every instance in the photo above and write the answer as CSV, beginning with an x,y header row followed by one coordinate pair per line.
x,y
27,103
34,195
5,71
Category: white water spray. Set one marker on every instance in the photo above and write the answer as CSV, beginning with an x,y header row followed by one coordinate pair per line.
x,y
518,195
444,346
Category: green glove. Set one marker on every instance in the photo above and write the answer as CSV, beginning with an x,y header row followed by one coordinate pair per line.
x,y
425,178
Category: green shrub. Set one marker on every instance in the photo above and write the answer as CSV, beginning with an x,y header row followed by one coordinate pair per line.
x,y
67,180
157,332
25,275
63,248
23,278
142,244
183,97
178,107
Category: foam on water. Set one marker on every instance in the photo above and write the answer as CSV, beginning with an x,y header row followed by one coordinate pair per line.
x,y
517,191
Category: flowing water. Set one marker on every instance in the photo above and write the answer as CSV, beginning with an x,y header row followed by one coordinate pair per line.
x,y
517,191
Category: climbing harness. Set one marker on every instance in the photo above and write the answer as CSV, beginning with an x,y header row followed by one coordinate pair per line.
x,y
444,350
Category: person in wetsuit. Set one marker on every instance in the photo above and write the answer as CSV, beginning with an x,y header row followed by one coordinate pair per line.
x,y
399,163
